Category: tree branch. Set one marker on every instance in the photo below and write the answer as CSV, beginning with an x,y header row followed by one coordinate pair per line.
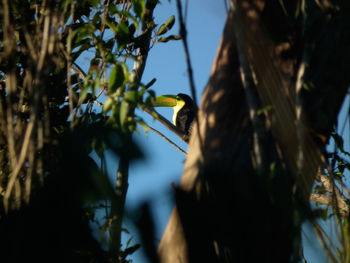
x,y
123,169
324,199
183,34
337,200
167,139
165,122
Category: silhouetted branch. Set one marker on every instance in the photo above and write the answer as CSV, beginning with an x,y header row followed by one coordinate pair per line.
x,y
167,139
166,123
183,34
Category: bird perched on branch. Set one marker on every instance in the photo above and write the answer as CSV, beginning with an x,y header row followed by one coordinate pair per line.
x,y
182,105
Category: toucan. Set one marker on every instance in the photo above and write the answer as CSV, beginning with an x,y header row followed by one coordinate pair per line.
x,y
182,105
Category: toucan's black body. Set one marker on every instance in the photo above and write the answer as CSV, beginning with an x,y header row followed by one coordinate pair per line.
x,y
183,108
185,115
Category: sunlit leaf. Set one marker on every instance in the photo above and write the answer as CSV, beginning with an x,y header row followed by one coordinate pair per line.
x,y
166,26
116,78
166,39
124,108
154,115
141,92
129,240
122,28
143,125
84,89
107,106
132,96
113,25
139,7
126,72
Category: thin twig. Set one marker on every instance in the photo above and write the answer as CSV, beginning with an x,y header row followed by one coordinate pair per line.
x,y
100,93
324,240
77,69
226,6
183,34
165,122
167,139
103,25
98,103
186,10
344,188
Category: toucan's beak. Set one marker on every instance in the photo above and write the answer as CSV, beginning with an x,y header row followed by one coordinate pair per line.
x,y
165,101
182,106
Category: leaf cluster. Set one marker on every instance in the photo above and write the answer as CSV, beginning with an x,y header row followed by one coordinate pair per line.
x,y
55,115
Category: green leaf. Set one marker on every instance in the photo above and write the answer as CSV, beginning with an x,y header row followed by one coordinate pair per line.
x,y
113,25
123,14
132,249
124,109
132,96
154,115
83,45
166,26
308,86
126,72
96,20
338,140
141,91
122,34
111,59
143,125
88,85
338,174
82,32
84,89
139,8
107,106
116,78
166,39
94,3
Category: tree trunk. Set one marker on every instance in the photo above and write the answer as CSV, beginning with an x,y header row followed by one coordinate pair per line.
x,y
243,194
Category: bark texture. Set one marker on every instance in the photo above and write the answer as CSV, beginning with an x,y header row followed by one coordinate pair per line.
x,y
238,202
214,206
